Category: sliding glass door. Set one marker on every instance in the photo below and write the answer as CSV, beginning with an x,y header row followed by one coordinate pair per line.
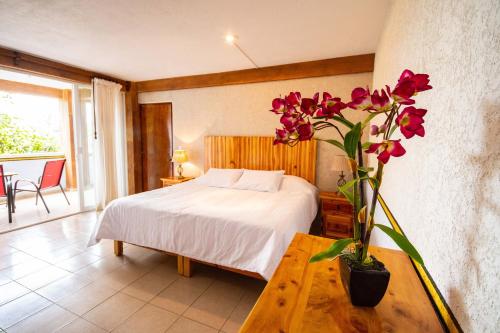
x,y
85,145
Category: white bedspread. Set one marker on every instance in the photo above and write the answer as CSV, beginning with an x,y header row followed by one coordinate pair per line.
x,y
240,229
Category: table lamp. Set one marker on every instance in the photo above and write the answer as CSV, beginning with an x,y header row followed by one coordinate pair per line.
x,y
180,156
340,164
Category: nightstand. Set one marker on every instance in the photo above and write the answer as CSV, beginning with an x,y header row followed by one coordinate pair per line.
x,y
336,215
169,181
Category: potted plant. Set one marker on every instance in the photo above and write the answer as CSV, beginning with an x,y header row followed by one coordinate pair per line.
x,y
365,279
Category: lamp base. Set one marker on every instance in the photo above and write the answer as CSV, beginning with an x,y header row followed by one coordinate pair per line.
x,y
341,181
179,172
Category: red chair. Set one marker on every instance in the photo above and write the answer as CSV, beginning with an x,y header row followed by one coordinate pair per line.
x,y
50,178
5,192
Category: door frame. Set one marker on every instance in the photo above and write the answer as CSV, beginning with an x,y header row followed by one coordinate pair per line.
x,y
138,148
80,137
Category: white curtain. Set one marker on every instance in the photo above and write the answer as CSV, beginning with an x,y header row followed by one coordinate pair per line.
x,y
111,180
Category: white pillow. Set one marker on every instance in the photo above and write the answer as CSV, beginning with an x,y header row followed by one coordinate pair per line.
x,y
297,184
259,180
220,177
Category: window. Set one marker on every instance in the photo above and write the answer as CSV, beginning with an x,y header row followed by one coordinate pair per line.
x,y
30,124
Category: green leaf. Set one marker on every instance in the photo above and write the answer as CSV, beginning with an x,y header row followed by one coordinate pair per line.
x,y
362,215
366,145
375,181
393,129
336,143
345,189
333,251
351,140
368,119
343,121
321,123
402,242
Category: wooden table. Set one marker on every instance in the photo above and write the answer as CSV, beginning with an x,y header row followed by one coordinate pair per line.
x,y
169,181
303,297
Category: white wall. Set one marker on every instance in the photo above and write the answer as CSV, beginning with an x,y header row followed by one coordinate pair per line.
x,y
244,110
445,192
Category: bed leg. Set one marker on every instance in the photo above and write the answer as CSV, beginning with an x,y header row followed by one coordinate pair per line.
x,y
180,265
187,267
118,246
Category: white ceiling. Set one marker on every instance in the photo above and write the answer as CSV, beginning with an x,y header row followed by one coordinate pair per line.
x,y
141,40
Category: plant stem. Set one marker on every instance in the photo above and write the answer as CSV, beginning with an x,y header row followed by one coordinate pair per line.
x,y
373,205
376,188
362,228
355,210
324,124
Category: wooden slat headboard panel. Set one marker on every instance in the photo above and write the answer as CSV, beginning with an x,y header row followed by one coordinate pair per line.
x,y
259,153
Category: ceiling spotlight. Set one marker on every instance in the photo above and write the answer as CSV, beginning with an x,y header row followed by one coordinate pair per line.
x,y
230,39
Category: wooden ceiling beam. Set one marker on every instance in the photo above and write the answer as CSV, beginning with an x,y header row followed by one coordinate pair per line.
x,y
37,65
334,66
31,89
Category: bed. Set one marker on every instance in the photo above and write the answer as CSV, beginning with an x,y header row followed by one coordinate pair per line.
x,y
239,230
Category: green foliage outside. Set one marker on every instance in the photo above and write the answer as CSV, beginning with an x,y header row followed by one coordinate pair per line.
x,y
18,139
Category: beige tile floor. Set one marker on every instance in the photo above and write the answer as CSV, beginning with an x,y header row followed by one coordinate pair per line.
x,y
51,282
27,213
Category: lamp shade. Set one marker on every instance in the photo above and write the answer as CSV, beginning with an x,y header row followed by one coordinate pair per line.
x,y
180,156
340,163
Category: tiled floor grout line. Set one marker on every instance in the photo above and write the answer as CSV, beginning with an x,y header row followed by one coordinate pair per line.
x,y
145,302
32,314
199,322
234,309
72,321
117,291
181,315
120,291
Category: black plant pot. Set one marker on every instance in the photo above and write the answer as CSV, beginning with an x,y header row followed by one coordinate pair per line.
x,y
365,287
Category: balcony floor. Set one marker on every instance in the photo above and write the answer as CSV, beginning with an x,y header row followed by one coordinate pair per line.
x,y
27,213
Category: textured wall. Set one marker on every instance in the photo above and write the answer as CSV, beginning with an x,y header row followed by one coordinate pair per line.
x,y
445,192
243,110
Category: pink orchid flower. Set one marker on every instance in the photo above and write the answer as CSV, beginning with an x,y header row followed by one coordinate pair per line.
x,y
376,130
386,149
410,122
305,131
380,102
403,92
421,81
409,84
309,105
360,99
293,99
278,105
330,106
281,136
290,121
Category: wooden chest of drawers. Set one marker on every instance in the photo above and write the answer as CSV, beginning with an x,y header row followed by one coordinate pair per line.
x,y
336,215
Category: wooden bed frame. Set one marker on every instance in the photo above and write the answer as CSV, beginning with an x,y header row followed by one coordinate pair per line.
x,y
248,152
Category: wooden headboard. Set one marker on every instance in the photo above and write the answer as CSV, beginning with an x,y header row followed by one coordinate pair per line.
x,y
259,153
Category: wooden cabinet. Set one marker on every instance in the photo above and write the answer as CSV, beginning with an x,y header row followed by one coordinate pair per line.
x,y
303,297
336,216
169,181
